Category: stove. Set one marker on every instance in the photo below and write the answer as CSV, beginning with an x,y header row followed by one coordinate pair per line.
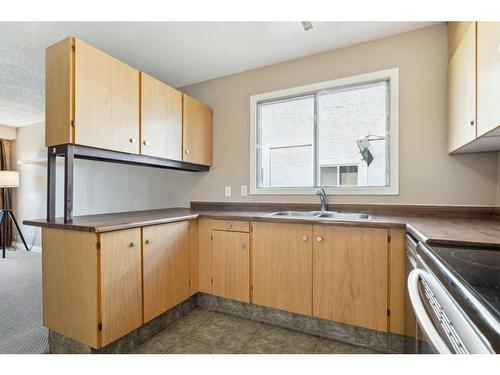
x,y
479,268
460,291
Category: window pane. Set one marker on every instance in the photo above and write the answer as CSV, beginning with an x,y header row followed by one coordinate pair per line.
x,y
349,115
328,176
291,166
349,175
286,137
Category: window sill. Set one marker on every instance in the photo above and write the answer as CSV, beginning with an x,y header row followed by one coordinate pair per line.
x,y
375,190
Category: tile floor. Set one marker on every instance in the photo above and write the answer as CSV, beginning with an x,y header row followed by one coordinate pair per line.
x,y
207,332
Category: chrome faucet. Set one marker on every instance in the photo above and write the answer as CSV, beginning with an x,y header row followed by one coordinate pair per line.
x,y
322,197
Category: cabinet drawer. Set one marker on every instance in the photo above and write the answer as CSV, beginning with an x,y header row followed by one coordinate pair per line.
x,y
231,225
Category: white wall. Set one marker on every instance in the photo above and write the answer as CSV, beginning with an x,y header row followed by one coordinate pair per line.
x,y
99,187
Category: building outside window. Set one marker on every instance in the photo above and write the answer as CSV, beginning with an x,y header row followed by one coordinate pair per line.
x,y
341,135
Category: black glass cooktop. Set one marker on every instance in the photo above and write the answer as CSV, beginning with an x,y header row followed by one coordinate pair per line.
x,y
478,267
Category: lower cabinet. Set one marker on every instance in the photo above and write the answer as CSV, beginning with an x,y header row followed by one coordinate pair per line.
x,y
350,275
92,286
282,266
231,265
121,283
165,267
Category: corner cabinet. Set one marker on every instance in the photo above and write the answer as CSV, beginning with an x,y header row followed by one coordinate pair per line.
x,y
165,267
196,132
95,100
473,86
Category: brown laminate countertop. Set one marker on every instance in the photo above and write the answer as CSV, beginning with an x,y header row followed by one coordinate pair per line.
x,y
431,230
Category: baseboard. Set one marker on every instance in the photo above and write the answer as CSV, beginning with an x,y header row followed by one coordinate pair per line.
x,y
20,246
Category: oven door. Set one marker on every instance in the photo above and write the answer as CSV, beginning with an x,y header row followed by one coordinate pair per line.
x,y
444,326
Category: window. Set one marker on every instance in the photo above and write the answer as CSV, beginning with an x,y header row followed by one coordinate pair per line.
x,y
341,135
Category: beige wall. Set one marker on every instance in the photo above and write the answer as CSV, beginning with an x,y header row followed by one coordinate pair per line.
x,y
428,175
7,132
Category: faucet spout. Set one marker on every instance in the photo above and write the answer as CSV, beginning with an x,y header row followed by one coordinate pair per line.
x,y
322,198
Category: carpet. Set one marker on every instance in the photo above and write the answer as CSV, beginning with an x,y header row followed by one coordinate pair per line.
x,y
21,328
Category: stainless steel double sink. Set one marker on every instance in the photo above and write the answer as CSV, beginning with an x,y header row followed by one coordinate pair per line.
x,y
329,215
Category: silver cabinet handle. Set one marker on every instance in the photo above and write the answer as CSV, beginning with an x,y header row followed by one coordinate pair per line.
x,y
319,238
132,243
132,140
186,152
243,244
305,238
423,319
146,143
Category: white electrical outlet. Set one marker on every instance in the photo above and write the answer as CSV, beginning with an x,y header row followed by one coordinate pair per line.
x,y
227,191
244,192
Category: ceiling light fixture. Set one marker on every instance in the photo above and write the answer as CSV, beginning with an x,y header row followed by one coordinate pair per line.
x,y
307,25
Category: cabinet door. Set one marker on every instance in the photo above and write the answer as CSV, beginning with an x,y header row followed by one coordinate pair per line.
x,y
165,267
488,76
197,132
350,275
231,265
161,119
106,101
121,288
462,91
282,266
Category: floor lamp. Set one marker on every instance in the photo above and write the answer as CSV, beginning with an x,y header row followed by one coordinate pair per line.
x,y
8,179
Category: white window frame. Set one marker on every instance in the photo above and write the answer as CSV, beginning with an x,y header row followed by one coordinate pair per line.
x,y
392,75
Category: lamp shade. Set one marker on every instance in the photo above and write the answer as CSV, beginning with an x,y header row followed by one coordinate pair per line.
x,y
9,179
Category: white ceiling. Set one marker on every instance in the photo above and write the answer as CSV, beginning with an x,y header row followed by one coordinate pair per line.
x,y
178,53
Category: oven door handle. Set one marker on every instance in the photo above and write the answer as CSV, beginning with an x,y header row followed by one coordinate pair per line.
x,y
421,314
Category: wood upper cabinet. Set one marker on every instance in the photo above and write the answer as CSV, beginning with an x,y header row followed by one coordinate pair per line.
x,y
461,84
121,283
488,77
350,275
165,267
161,119
282,266
92,99
196,132
231,265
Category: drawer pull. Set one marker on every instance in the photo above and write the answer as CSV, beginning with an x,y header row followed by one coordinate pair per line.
x,y
243,245
132,140
146,143
319,239
305,238
148,242
132,243
229,226
186,152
